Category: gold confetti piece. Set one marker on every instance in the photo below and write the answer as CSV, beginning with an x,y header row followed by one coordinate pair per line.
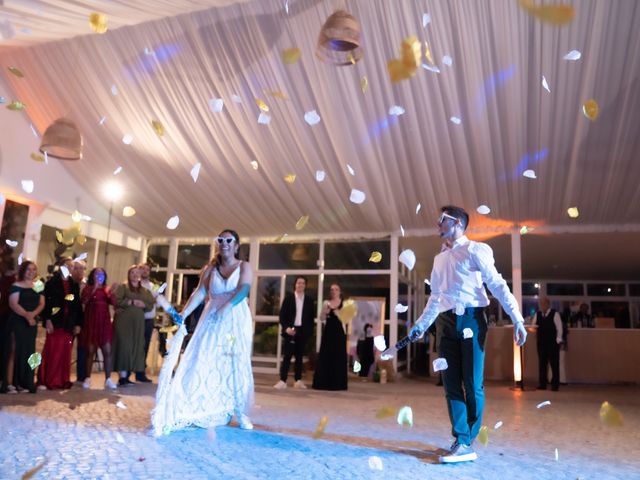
x,y
591,109
405,416
302,222
32,472
524,230
98,22
59,236
69,298
385,412
364,84
254,165
81,239
351,58
291,56
157,127
290,178
262,106
610,416
16,106
427,53
277,94
37,157
348,311
483,435
573,212
556,14
55,310
322,424
282,238
171,329
34,360
376,257
16,71
128,211
407,65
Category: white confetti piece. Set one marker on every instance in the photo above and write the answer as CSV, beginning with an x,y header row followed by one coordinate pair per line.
x,y
127,139
529,174
81,257
431,68
117,170
447,60
401,230
405,416
357,368
162,288
426,20
64,271
455,120
408,258
573,55
46,158
545,85
20,258
497,425
33,130
149,52
467,333
399,308
120,404
102,120
216,105
27,185
351,170
312,117
264,119
543,404
11,243
483,210
396,111
418,207
440,364
114,90
375,463
357,196
7,31
380,343
254,165
320,175
236,99
557,456
173,222
286,6
195,171
128,211
459,310
573,212
119,437
427,281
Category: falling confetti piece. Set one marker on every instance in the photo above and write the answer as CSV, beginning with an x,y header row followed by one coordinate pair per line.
x,y
216,105
286,6
302,222
149,52
573,212
402,230
405,416
418,207
16,71
195,171
467,333
81,257
120,404
447,60
3,100
431,68
127,139
65,272
529,174
290,56
407,65
320,175
81,239
236,98
497,425
427,281
59,236
312,117
102,120
282,238
98,22
483,210
396,111
483,435
157,127
357,196
426,20
119,437
69,297
364,84
27,185
408,258
524,230
32,472
590,109
290,178
34,360
76,216
254,165
557,14
399,308
20,258
543,404
322,424
440,364
162,288
262,106
11,243
573,55
380,343
375,463
610,415
455,120
351,170
128,211
264,119
33,130
16,106
545,85
277,94
114,90
427,53
385,412
376,257
357,367
557,455
173,222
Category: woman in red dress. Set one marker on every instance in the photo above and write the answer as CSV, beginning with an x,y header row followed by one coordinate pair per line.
x,y
98,331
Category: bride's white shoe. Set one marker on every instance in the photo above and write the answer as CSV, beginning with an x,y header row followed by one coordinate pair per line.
x,y
244,422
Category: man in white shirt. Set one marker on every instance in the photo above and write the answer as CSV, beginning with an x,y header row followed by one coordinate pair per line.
x,y
549,339
457,301
149,317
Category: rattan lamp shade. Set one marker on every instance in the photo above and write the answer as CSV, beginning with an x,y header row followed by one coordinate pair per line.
x,y
62,140
339,40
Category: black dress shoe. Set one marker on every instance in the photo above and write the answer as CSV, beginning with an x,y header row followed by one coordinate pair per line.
x,y
125,382
143,379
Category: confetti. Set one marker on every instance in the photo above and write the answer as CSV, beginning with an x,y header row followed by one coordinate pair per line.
x,y
320,175
69,297
157,127
357,367
81,239
277,94
119,437
33,130
396,111
38,287
348,311
483,210
114,90
128,211
264,119
376,257
262,106
440,364
32,472
483,435
173,222
543,404
610,415
402,230
11,243
117,171
195,171
590,109
312,117
408,258
98,22
385,412
254,165
427,53
302,222
467,333
34,360
529,174
162,288
286,6
407,65
351,170
399,308
431,68
55,310
375,463
380,343
27,185
573,212
20,258
59,236
447,60
497,425
418,207
557,14
455,120
427,281
290,56
290,178
216,105
524,230
120,404
573,55
64,271
557,456
16,71
127,139
3,100
76,216
426,20
545,85
322,424
357,196
81,257
236,98
16,106
7,31
405,416
364,84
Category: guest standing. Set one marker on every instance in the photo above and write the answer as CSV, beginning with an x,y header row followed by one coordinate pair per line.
x,y
549,340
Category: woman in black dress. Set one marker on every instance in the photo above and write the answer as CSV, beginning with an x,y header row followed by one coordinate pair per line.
x,y
331,369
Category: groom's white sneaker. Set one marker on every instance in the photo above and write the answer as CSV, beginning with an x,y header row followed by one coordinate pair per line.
x,y
280,385
299,384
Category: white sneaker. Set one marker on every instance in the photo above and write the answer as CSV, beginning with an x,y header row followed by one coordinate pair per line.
x,y
460,453
300,385
87,383
280,385
42,387
109,384
244,422
11,390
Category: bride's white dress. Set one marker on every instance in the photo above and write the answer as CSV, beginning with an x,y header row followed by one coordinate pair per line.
x,y
214,379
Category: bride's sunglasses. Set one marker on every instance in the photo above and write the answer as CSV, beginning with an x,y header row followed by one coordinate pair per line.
x,y
222,240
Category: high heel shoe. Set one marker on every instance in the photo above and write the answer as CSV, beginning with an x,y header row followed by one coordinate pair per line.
x,y
244,422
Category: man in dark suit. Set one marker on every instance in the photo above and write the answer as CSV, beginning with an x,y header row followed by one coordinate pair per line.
x,y
296,319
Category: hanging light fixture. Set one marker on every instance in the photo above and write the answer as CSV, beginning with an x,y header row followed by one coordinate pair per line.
x,y
339,40
62,140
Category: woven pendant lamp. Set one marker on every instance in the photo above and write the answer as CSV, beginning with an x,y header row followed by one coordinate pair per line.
x,y
62,140
339,40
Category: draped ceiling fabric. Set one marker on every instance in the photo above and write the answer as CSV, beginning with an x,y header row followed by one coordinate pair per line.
x,y
168,69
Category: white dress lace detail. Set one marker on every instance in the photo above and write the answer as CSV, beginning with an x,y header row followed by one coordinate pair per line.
x,y
214,379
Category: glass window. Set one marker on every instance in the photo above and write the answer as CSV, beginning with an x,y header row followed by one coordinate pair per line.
x,y
268,300
244,251
158,277
279,256
634,289
617,310
189,283
360,286
158,255
355,255
193,257
265,339
530,288
565,289
606,289
312,285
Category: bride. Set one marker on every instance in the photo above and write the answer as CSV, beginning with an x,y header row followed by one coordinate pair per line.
x,y
214,380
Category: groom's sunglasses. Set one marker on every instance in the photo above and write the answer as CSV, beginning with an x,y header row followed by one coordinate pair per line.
x,y
444,216
221,240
